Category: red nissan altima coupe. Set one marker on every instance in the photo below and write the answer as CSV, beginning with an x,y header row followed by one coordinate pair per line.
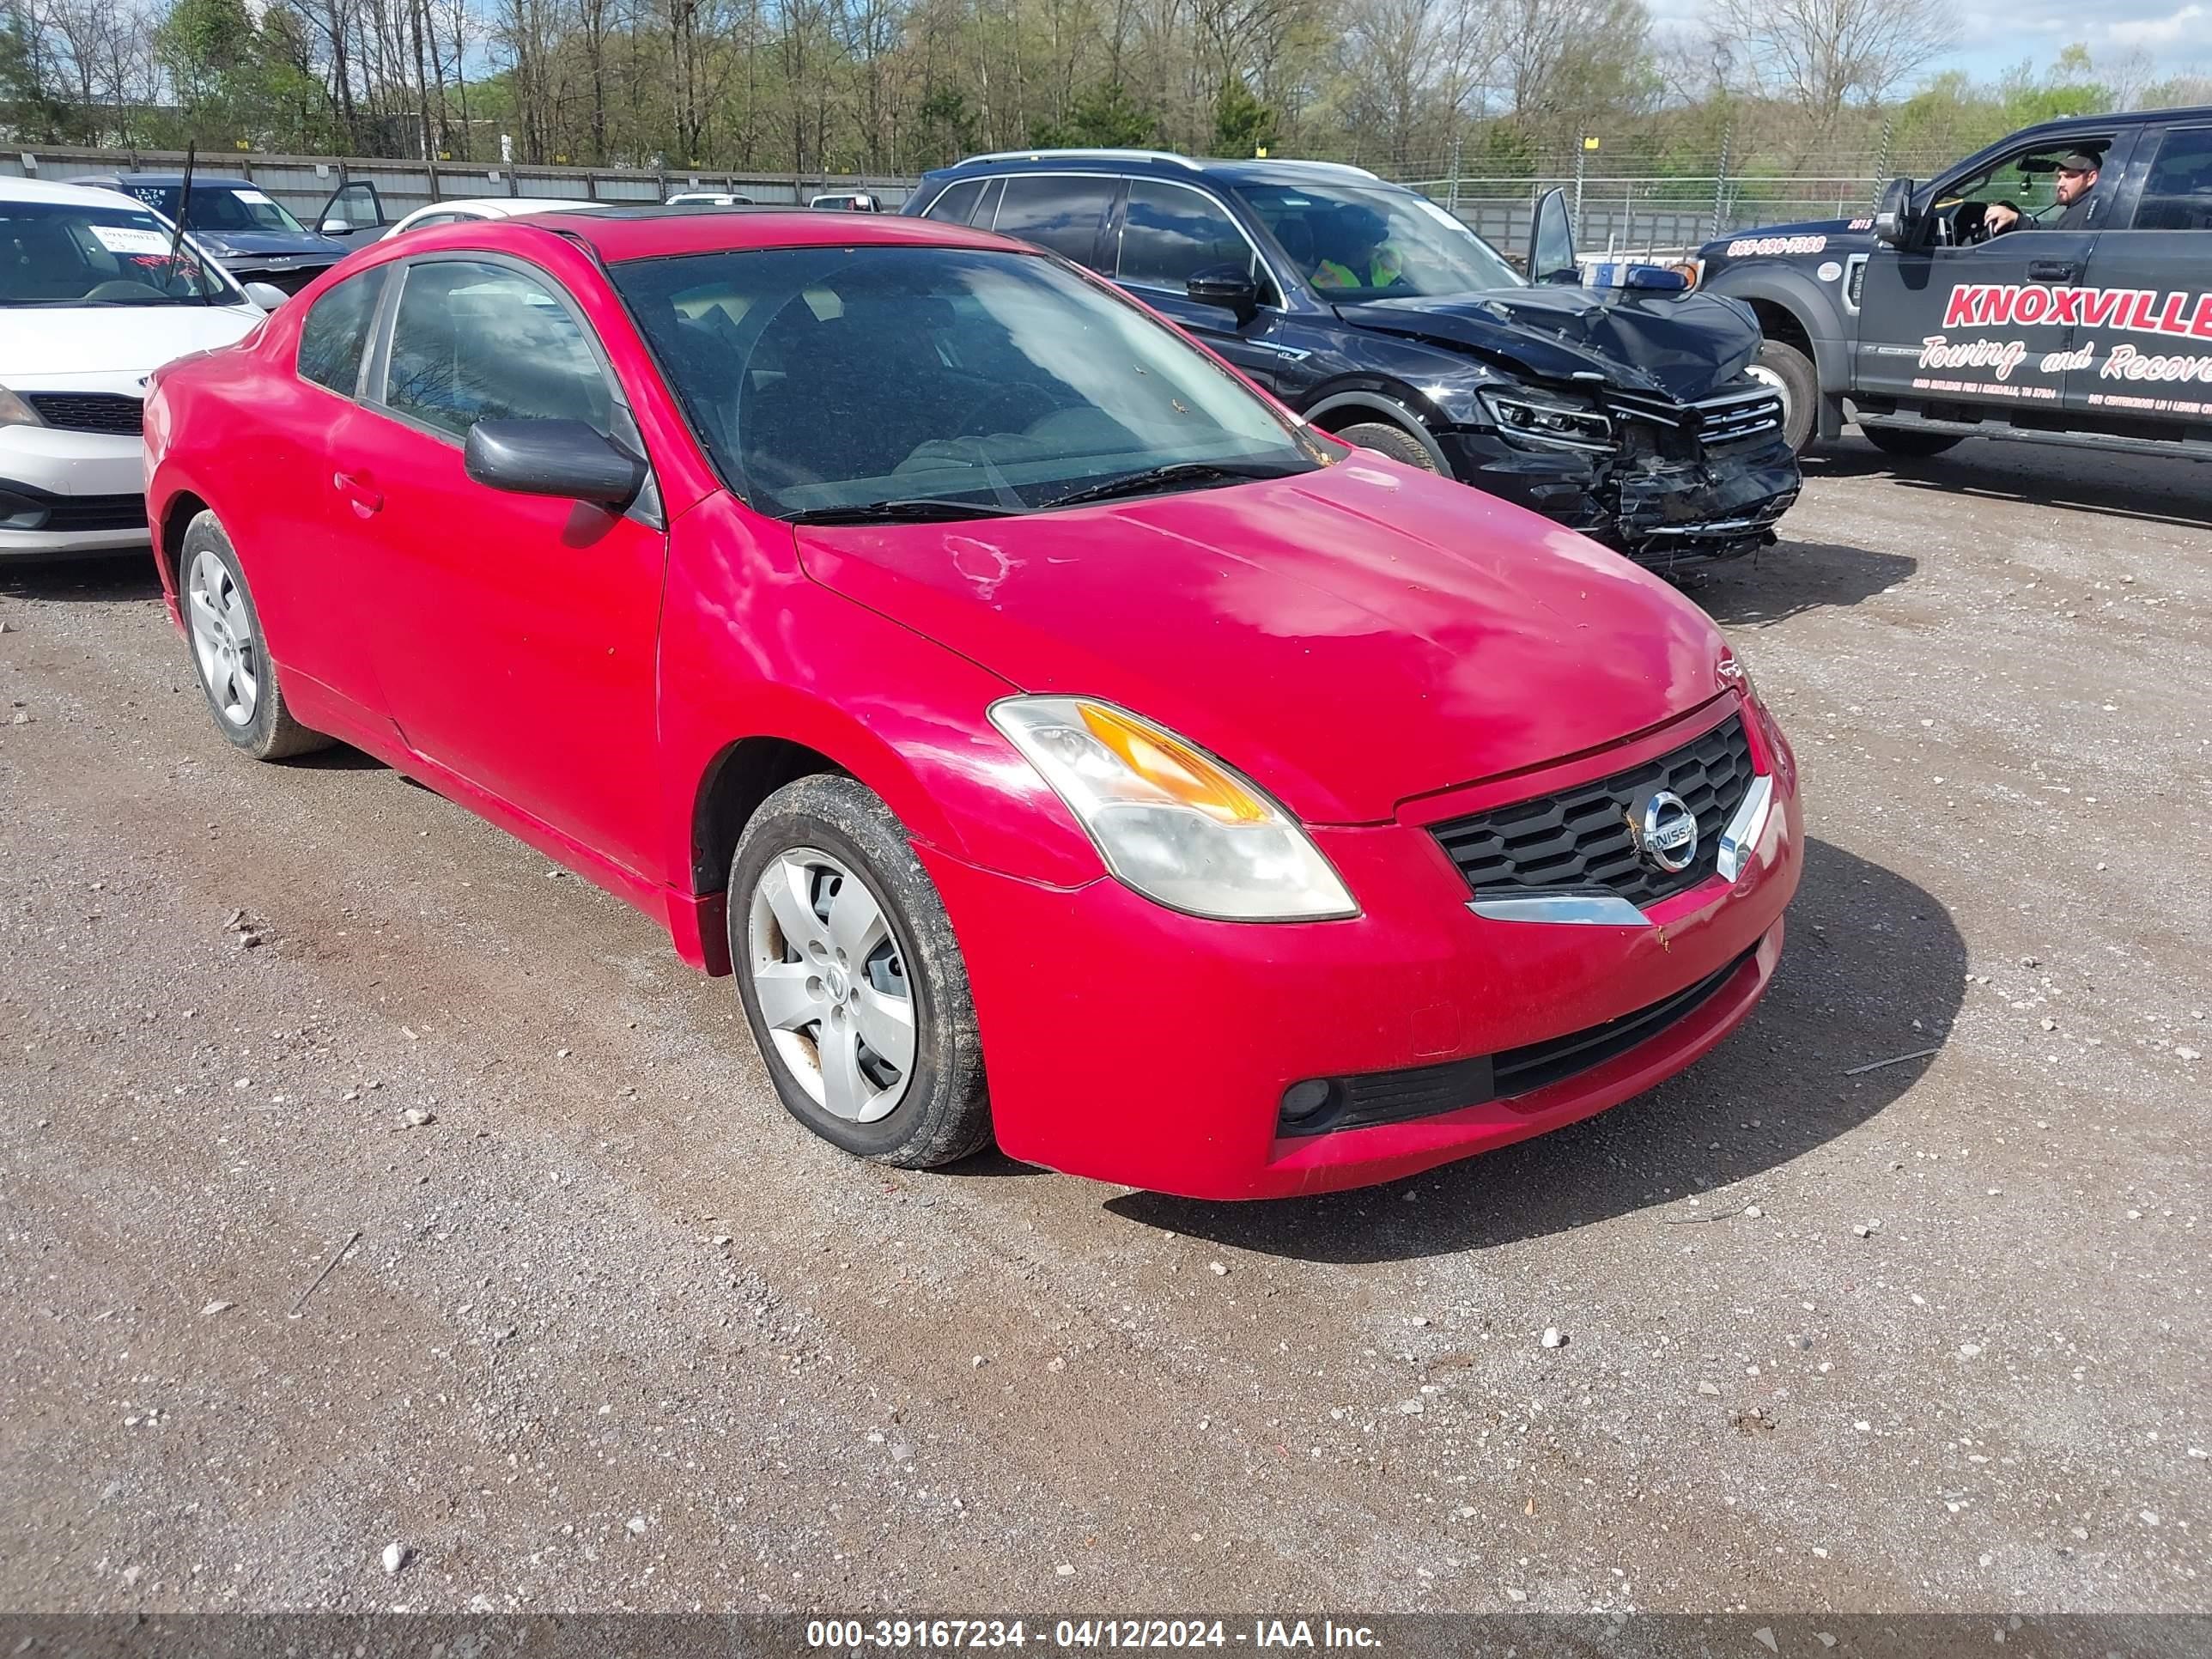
x,y
1058,741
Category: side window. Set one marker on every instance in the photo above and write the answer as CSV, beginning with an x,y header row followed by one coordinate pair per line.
x,y
1060,213
474,341
955,202
2178,193
429,219
336,334
1169,233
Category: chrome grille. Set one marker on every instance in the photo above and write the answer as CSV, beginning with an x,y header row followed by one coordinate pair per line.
x,y
1748,411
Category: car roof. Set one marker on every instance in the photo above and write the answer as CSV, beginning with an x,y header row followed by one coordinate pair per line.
x,y
616,234
227,181
38,190
503,207
1162,164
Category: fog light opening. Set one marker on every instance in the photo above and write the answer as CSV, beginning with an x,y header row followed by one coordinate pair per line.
x,y
1302,1101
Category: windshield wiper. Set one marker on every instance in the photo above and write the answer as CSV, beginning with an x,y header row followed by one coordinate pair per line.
x,y
917,511
1161,477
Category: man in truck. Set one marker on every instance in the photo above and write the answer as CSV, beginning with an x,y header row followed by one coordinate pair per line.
x,y
2077,176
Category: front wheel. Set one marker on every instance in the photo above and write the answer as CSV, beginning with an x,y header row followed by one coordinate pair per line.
x,y
852,979
1790,371
1909,446
1395,441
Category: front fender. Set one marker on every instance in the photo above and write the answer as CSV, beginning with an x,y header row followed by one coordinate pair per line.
x,y
1818,307
751,647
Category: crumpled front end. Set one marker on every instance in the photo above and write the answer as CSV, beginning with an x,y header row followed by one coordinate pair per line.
x,y
1673,485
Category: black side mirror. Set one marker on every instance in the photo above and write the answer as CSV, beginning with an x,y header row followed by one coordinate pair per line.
x,y
1552,242
566,459
1230,287
1894,219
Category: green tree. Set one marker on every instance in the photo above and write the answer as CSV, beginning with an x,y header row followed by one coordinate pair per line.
x,y
28,108
1105,117
1243,125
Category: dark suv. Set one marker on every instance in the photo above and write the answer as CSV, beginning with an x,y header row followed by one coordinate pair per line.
x,y
1623,411
249,232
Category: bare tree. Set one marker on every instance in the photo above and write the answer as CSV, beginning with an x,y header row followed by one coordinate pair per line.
x,y
1824,54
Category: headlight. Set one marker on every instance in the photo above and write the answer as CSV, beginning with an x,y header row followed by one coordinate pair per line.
x,y
1531,417
14,412
1182,828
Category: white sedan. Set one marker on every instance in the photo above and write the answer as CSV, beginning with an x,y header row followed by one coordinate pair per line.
x,y
91,303
484,207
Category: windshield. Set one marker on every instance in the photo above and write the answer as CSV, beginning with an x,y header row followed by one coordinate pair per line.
x,y
831,379
1355,242
60,253
220,208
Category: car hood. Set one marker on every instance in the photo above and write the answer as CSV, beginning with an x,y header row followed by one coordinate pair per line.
x,y
1688,346
270,244
44,345
1350,638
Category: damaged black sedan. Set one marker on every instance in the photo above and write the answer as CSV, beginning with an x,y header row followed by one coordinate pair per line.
x,y
1628,409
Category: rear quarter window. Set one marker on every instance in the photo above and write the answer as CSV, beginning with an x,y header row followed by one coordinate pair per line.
x,y
335,335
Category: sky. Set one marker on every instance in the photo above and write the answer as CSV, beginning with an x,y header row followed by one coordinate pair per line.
x,y
1994,35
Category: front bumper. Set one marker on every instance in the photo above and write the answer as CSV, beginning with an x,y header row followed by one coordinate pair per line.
x,y
1131,1044
84,491
1667,515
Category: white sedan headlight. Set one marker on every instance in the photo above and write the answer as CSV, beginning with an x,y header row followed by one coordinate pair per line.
x,y
14,412
1179,827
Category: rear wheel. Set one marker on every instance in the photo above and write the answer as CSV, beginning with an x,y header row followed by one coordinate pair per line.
x,y
852,979
1790,371
1909,446
230,656
1395,441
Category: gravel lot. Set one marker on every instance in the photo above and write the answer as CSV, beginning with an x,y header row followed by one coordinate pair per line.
x,y
616,1332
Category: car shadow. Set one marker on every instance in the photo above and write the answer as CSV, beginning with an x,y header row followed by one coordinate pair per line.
x,y
1873,969
118,578
2146,489
1791,578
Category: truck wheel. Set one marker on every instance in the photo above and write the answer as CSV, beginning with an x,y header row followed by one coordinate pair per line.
x,y
1790,371
1385,439
1909,446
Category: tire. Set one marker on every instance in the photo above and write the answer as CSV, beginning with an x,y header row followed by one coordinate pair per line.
x,y
1908,446
1395,441
230,655
1790,371
813,1010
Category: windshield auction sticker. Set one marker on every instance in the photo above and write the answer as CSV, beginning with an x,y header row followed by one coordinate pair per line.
x,y
128,238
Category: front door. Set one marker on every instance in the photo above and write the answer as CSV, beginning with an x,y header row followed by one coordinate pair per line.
x,y
1167,234
2149,368
514,635
1968,317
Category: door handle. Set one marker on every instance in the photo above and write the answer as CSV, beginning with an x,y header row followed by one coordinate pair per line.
x,y
355,488
2051,270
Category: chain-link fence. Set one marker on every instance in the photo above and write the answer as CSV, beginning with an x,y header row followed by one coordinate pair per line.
x,y
1636,197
